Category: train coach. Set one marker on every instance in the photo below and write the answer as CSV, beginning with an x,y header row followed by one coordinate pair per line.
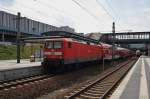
x,y
124,52
107,50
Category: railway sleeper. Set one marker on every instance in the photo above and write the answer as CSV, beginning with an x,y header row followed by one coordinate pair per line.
x,y
78,98
100,89
88,97
106,81
102,86
6,84
95,91
93,94
13,82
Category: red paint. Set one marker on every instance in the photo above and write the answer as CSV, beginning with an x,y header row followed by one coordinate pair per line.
x,y
75,50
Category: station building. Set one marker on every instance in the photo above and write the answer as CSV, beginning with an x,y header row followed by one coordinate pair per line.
x,y
28,27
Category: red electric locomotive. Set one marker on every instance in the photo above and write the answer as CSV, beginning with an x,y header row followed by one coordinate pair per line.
x,y
70,48
62,51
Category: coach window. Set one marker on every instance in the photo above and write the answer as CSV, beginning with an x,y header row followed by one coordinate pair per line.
x,y
57,44
69,45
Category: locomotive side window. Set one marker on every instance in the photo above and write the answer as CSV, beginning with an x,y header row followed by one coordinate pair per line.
x,y
57,44
49,44
69,45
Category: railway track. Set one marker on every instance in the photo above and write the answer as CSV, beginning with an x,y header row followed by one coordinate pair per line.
x,y
14,83
102,87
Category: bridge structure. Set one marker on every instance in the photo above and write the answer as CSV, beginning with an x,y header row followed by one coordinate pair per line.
x,y
127,38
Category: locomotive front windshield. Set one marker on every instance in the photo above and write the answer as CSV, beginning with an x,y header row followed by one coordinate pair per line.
x,y
53,45
49,45
57,45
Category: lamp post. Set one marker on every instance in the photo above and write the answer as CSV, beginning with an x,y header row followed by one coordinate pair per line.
x,y
18,37
113,42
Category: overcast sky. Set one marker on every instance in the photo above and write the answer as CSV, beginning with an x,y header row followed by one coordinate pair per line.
x,y
94,16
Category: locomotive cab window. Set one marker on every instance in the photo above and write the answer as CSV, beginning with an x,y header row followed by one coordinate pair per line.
x,y
69,45
49,44
57,44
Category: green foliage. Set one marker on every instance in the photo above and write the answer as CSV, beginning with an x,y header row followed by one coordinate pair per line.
x,y
9,51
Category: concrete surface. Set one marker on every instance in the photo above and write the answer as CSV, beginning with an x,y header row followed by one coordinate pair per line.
x,y
10,70
136,84
12,64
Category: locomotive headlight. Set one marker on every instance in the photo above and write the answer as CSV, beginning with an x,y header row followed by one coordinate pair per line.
x,y
58,53
47,53
45,57
53,53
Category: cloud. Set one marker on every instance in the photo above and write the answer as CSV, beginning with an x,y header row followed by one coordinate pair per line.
x,y
7,2
146,13
137,22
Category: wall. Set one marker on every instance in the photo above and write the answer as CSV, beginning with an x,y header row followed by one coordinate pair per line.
x,y
6,75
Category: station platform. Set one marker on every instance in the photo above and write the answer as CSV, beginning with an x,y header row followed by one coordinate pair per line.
x,y
136,84
12,64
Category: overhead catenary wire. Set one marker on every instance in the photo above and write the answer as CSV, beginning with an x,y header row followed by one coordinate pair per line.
x,y
76,2
86,10
101,5
43,14
33,18
91,14
108,3
117,16
37,11
60,12
56,9
76,18
70,15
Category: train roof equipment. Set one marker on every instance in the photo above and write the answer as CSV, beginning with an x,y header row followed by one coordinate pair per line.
x,y
59,34
70,35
